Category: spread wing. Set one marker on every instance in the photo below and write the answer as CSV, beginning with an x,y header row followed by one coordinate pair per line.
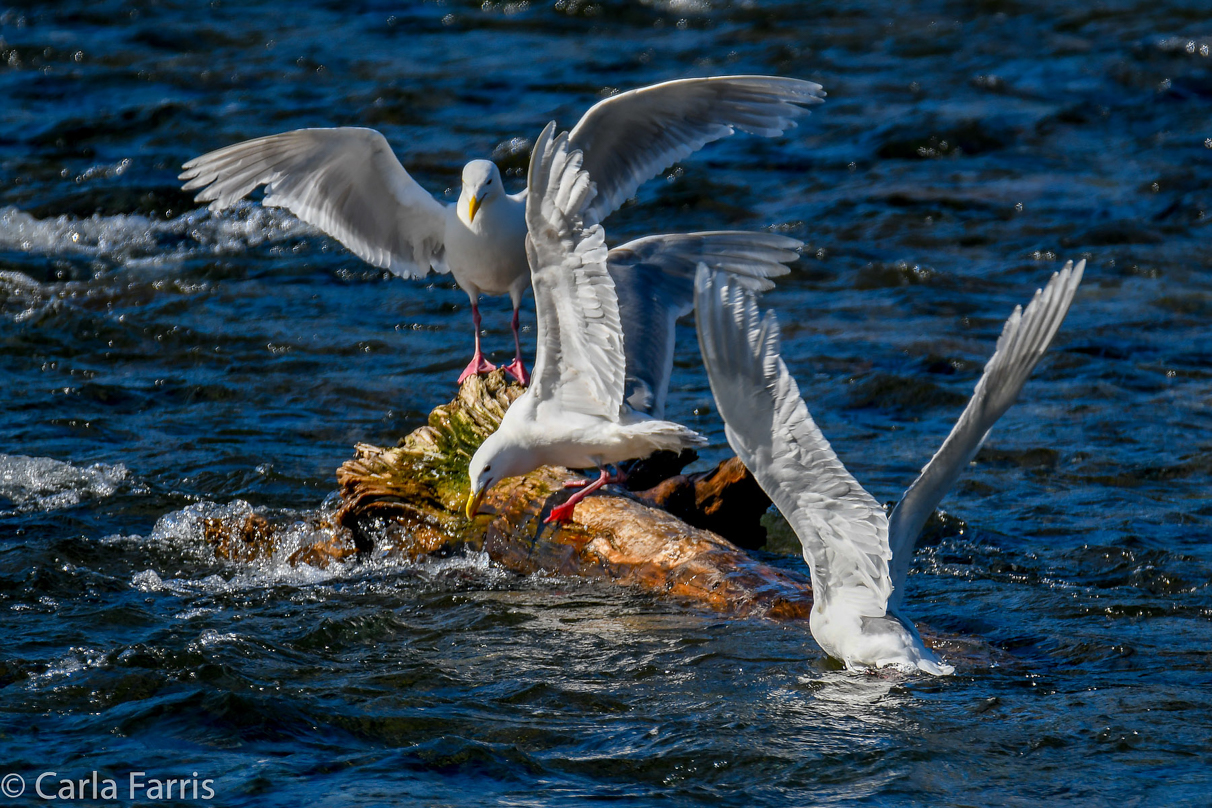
x,y
631,137
654,279
843,529
1025,337
347,182
579,362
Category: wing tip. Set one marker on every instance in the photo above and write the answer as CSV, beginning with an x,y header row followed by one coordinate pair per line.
x,y
810,91
1064,283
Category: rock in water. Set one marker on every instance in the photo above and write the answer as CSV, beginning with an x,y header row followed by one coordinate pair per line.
x,y
408,501
726,500
411,498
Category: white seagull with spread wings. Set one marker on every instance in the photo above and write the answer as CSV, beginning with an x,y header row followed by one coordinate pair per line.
x,y
858,557
348,183
573,414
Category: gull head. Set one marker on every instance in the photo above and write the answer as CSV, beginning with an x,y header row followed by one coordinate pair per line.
x,y
481,184
497,458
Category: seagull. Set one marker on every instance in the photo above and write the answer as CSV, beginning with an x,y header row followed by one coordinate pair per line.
x,y
858,557
654,282
348,183
573,413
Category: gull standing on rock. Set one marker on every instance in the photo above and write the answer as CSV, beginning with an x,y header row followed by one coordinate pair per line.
x,y
349,184
573,413
858,558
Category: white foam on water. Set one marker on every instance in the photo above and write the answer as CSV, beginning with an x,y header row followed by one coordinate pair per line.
x,y
45,484
185,532
190,614
146,581
76,661
210,638
467,562
476,565
137,240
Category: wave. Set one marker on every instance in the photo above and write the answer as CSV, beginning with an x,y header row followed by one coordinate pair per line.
x,y
44,484
188,533
136,240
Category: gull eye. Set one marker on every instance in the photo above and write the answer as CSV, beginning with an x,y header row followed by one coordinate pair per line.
x,y
488,183
488,468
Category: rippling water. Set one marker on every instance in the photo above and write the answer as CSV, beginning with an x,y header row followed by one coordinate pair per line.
x,y
163,365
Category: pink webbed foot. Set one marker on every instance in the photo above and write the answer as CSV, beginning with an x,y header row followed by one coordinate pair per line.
x,y
478,364
561,513
517,369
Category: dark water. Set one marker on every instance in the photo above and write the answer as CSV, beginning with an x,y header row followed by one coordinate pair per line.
x,y
161,365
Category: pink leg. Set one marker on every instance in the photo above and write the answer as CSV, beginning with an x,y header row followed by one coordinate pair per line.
x,y
563,513
478,363
612,479
516,368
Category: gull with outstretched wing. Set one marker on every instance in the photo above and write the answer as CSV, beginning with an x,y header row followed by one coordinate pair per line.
x,y
349,184
573,414
858,558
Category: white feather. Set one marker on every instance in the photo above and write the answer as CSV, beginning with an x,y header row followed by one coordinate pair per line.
x,y
347,182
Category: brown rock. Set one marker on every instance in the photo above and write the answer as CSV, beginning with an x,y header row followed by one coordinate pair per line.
x,y
726,500
247,541
338,547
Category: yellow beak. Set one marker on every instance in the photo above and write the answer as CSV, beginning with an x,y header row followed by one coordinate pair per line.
x,y
473,205
473,502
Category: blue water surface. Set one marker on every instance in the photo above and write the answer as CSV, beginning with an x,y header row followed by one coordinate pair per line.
x,y
162,365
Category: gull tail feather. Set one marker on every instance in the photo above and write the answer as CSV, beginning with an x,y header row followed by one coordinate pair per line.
x,y
666,435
